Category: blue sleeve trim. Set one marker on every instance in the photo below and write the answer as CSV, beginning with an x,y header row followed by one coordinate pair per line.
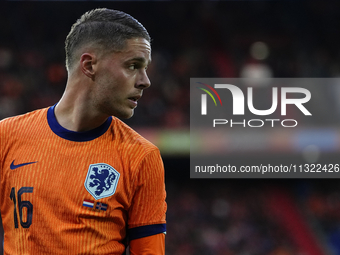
x,y
144,231
72,135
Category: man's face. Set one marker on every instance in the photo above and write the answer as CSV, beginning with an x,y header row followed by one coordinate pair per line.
x,y
121,77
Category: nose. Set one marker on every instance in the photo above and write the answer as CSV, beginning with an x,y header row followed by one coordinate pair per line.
x,y
143,81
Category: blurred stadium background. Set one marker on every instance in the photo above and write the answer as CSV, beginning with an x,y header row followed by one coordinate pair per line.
x,y
206,39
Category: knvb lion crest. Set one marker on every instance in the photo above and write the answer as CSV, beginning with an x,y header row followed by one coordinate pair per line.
x,y
101,180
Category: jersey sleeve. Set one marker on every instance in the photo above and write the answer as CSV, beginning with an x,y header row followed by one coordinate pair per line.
x,y
148,206
150,245
1,148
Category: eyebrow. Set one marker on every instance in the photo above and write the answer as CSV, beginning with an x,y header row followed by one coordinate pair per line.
x,y
140,59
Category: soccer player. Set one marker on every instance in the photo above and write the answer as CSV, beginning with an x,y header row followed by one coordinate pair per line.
x,y
74,178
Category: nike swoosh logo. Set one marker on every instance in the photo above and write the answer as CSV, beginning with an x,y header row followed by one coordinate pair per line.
x,y
13,166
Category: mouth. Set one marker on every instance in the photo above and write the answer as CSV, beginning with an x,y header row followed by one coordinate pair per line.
x,y
135,98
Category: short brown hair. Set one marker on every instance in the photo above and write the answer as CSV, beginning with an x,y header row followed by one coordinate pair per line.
x,y
107,29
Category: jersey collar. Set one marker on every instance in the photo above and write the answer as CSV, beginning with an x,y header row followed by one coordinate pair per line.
x,y
72,135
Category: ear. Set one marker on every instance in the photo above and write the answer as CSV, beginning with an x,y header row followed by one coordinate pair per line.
x,y
87,62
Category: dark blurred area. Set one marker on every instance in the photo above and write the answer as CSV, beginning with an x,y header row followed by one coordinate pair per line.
x,y
202,39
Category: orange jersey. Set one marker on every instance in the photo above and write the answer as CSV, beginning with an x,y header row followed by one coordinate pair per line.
x,y
65,192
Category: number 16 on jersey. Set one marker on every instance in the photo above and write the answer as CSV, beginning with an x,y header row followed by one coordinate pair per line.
x,y
21,205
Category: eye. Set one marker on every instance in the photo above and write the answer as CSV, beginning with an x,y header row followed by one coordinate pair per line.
x,y
136,66
132,67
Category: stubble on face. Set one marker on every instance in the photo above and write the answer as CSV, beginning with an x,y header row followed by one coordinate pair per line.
x,y
118,81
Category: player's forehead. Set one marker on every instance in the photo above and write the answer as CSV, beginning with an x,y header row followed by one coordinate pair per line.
x,y
138,49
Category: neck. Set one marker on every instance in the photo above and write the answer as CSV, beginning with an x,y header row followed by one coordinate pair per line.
x,y
74,111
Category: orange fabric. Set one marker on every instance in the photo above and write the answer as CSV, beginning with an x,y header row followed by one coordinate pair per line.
x,y
151,245
55,189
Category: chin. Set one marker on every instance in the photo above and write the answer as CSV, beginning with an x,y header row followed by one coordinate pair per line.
x,y
124,115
